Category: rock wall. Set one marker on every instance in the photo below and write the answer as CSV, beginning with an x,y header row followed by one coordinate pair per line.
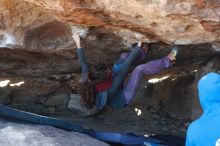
x,y
180,22
48,78
17,18
170,21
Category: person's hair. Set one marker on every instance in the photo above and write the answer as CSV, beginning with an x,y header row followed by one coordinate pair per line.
x,y
97,74
88,94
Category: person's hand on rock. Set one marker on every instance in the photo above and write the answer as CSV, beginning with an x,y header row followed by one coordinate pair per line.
x,y
76,38
139,44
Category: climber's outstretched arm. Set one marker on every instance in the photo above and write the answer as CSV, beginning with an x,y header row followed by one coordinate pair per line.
x,y
81,56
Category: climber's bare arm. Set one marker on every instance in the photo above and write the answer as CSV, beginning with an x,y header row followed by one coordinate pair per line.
x,y
76,38
139,44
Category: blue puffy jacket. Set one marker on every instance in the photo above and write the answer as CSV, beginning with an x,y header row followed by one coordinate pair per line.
x,y
205,131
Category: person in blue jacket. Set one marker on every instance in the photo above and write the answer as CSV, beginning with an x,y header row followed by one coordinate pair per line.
x,y
205,131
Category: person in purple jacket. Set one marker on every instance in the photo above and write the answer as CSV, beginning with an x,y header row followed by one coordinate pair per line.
x,y
113,90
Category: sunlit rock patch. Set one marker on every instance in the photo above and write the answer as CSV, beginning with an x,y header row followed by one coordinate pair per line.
x,y
12,133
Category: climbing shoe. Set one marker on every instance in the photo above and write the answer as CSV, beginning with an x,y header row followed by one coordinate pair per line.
x,y
172,55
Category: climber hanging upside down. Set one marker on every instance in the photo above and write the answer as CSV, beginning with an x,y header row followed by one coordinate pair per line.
x,y
113,90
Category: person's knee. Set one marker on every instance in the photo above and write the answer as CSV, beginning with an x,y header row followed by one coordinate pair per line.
x,y
139,68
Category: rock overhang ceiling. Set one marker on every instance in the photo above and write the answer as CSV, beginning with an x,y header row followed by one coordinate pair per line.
x,y
169,21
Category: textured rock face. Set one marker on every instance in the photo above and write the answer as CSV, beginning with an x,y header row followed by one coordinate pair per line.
x,y
180,22
12,133
18,17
